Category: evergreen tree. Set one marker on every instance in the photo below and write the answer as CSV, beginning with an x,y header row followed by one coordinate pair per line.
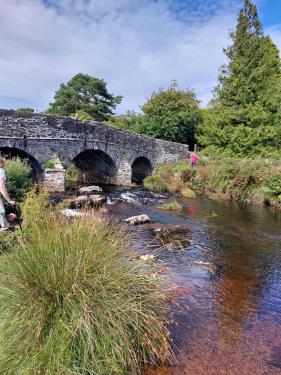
x,y
248,98
84,96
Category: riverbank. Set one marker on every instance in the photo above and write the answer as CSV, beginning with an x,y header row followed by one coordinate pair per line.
x,y
242,180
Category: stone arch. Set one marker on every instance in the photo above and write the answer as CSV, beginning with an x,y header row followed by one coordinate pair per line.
x,y
141,168
12,152
95,167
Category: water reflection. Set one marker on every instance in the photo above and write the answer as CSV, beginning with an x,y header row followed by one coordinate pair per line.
x,y
228,272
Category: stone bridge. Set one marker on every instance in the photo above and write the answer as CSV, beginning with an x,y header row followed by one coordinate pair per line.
x,y
102,154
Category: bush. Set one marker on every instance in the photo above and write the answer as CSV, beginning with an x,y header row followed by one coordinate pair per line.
x,y
71,177
188,193
71,303
49,164
156,184
19,179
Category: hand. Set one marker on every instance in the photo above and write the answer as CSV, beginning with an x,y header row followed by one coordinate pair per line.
x,y
12,203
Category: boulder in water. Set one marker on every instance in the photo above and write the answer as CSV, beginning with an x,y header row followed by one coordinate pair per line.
x,y
97,199
89,189
147,257
135,220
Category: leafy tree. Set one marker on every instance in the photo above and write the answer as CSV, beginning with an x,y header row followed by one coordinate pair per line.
x,y
247,105
87,94
171,114
18,178
25,109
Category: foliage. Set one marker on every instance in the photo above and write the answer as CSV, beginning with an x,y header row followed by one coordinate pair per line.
x,y
71,177
245,117
81,114
171,115
156,184
188,193
49,164
272,188
84,95
25,109
18,173
71,303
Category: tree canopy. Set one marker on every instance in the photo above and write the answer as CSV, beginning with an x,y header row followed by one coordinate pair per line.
x,y
84,96
246,110
170,114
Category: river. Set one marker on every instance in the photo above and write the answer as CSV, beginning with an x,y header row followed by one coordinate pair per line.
x,y
224,262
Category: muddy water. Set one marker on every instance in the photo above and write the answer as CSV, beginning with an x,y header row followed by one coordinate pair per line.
x,y
224,262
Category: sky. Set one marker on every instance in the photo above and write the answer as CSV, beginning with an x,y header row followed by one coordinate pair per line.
x,y
136,46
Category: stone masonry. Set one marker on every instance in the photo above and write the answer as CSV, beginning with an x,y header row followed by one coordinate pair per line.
x,y
41,137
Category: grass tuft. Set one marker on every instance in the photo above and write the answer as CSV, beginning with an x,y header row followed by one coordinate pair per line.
x,y
171,206
72,303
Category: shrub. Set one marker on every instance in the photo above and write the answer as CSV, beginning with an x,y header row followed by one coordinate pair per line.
x,y
19,179
72,303
188,193
71,177
272,186
49,164
156,184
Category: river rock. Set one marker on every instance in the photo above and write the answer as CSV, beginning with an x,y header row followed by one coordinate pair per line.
x,y
89,189
78,202
74,213
97,199
160,196
147,257
135,220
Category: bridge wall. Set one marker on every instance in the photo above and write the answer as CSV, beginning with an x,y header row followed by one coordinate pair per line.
x,y
45,137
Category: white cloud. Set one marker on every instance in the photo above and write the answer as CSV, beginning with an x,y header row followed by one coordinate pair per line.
x,y
136,46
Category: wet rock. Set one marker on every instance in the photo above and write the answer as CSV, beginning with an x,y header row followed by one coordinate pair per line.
x,y
78,202
97,199
160,196
135,220
89,189
129,197
74,213
147,257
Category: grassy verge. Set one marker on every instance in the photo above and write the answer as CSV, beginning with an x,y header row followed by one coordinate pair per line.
x,y
71,303
245,180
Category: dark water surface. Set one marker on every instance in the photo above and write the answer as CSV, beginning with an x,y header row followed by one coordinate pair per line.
x,y
224,264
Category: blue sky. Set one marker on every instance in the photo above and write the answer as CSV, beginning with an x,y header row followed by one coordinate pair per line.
x,y
137,46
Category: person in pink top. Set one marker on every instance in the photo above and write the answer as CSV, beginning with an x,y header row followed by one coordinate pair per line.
x,y
193,159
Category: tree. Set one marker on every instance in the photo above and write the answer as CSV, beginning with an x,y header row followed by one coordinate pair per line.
x,y
171,114
248,98
84,94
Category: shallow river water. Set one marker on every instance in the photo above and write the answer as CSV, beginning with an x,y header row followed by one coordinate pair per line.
x,y
224,261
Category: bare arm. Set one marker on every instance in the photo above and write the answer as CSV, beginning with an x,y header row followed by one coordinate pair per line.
x,y
3,190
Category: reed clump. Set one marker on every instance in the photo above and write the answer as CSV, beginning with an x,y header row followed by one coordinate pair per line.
x,y
72,303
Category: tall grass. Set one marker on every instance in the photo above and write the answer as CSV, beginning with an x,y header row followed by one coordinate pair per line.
x,y
72,303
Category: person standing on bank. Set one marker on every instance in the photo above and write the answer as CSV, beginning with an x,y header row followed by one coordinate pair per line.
x,y
193,159
4,224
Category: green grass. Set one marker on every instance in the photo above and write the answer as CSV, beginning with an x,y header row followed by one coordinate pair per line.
x,y
72,303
